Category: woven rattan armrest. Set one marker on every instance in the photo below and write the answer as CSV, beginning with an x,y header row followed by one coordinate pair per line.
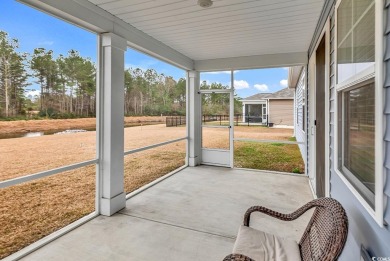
x,y
286,217
237,257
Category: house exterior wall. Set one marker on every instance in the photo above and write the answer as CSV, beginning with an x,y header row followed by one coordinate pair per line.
x,y
300,129
387,114
332,95
281,112
364,231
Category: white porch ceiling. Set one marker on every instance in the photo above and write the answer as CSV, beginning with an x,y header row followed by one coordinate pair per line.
x,y
232,34
230,28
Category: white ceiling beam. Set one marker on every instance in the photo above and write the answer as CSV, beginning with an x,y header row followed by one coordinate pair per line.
x,y
252,62
87,15
293,76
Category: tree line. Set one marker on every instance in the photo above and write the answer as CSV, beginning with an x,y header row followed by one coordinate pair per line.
x,y
66,83
67,86
218,103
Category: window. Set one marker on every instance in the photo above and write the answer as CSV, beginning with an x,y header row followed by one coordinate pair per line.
x,y
355,38
357,133
356,93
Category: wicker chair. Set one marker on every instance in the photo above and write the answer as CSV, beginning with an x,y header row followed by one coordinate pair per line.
x,y
324,237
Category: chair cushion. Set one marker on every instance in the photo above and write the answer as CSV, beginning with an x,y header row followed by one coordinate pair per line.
x,y
261,246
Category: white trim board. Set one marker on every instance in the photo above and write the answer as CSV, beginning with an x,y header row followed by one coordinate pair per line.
x,y
46,173
312,110
327,107
253,62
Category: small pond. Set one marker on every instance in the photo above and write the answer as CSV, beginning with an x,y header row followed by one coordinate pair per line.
x,y
39,133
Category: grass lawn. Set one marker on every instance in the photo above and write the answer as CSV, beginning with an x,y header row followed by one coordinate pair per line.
x,y
268,156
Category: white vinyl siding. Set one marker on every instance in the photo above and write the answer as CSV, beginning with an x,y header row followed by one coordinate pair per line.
x,y
387,116
300,129
332,97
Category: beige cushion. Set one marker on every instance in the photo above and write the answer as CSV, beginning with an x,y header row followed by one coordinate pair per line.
x,y
261,246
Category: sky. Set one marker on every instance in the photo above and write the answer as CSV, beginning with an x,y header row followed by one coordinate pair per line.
x,y
35,29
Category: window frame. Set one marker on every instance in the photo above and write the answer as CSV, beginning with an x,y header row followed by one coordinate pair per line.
x,y
376,73
345,171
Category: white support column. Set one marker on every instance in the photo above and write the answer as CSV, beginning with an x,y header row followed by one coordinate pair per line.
x,y
231,120
243,112
110,123
194,123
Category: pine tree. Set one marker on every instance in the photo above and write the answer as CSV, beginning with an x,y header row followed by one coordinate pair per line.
x,y
13,76
46,71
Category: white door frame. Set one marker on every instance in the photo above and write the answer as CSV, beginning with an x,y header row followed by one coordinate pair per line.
x,y
221,157
312,111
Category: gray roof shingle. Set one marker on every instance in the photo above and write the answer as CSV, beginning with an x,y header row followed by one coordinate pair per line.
x,y
286,93
258,96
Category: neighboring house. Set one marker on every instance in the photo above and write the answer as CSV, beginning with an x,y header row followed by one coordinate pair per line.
x,y
276,108
254,108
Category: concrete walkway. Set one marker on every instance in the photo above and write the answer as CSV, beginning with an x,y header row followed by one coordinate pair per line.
x,y
193,215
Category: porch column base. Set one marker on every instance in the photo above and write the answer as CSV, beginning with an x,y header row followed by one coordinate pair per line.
x,y
110,206
192,162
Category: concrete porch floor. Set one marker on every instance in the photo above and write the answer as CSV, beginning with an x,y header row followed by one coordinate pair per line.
x,y
193,215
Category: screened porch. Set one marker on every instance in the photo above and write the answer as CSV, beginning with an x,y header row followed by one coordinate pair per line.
x,y
191,215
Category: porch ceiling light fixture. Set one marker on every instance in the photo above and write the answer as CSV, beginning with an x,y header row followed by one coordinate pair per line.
x,y
205,3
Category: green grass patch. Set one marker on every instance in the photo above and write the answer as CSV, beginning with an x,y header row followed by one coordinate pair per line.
x,y
268,156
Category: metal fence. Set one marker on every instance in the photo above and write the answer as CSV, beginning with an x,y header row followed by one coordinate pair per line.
x,y
215,118
174,121
238,119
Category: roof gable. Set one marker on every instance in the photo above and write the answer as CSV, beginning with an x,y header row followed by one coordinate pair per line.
x,y
283,94
258,96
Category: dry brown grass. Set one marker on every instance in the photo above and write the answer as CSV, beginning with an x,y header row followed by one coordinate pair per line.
x,y
216,138
145,167
7,127
23,156
33,210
